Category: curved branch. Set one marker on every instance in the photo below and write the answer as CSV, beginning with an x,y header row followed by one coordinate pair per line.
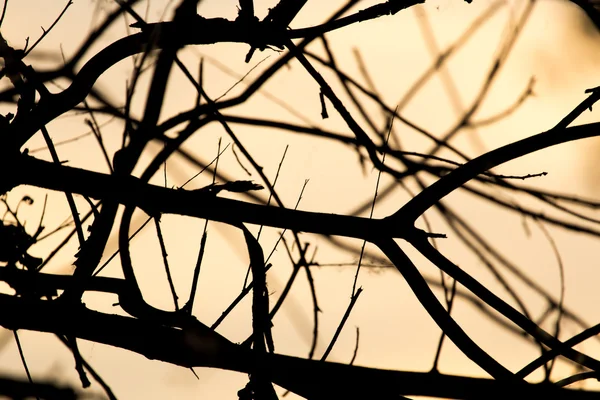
x,y
458,177
439,314
433,255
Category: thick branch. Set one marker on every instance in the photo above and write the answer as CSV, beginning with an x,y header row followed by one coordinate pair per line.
x,y
129,190
308,378
458,177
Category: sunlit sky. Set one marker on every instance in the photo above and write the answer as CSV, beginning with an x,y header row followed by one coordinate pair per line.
x,y
559,48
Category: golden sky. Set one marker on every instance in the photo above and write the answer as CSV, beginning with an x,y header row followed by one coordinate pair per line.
x,y
558,48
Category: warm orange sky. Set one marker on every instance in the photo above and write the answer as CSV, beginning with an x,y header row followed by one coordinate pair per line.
x,y
558,47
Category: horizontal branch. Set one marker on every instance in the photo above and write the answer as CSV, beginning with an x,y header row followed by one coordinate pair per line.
x,y
39,283
20,389
129,190
308,378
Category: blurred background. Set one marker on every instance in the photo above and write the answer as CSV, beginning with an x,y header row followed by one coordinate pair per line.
x,y
556,55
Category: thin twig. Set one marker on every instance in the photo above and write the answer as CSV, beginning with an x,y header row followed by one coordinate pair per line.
x,y
163,250
22,355
353,300
46,31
